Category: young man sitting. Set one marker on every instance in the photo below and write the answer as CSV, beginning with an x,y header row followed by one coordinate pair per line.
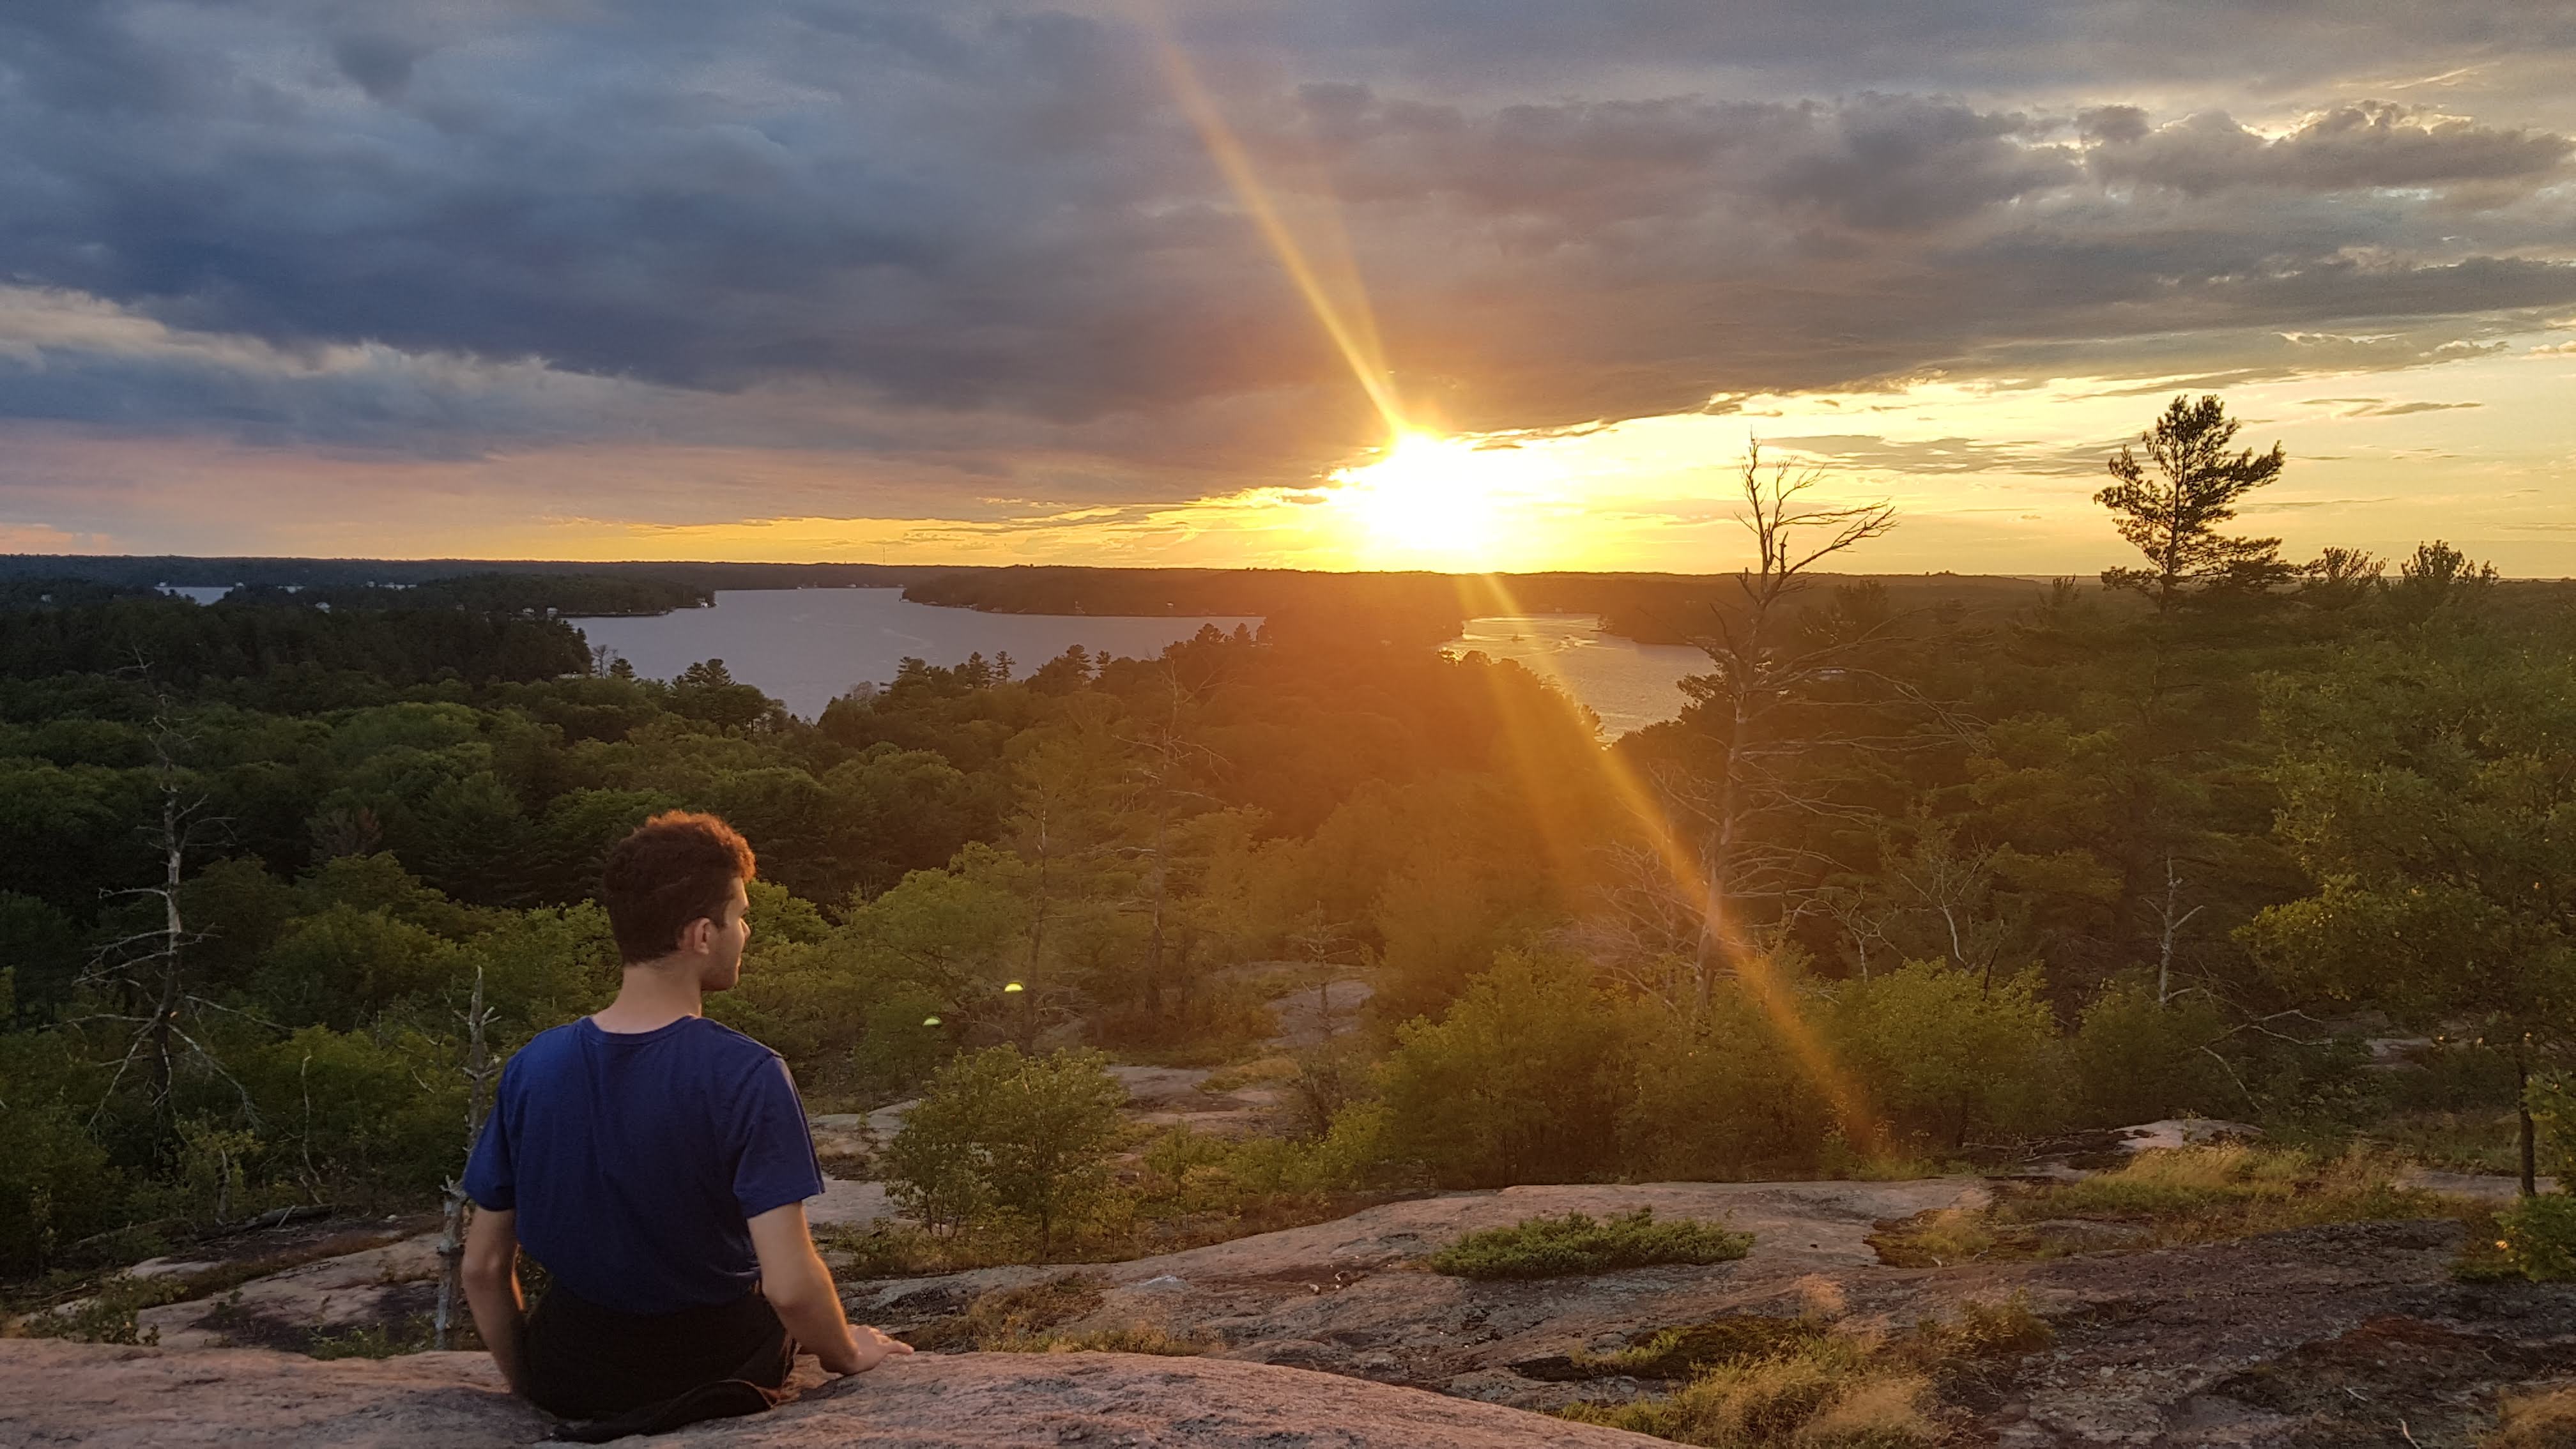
x,y
657,1165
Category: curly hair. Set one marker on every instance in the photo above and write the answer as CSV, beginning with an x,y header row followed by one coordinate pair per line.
x,y
676,868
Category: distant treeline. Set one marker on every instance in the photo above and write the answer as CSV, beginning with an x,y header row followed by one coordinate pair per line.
x,y
151,570
1393,608
270,647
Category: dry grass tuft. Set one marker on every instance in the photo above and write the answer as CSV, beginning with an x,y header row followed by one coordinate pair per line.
x,y
2228,1190
2178,1196
1828,1394
1982,1330
1018,1319
2536,1419
1799,1384
1136,1338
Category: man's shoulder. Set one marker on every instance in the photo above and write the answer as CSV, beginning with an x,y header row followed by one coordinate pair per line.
x,y
728,1045
552,1044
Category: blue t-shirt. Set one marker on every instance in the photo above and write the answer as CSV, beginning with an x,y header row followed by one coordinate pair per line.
x,y
635,1160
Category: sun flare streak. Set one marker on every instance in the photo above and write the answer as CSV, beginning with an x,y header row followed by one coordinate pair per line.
x,y
1755,971
1352,332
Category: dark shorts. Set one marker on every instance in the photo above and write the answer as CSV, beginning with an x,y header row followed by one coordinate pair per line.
x,y
635,1373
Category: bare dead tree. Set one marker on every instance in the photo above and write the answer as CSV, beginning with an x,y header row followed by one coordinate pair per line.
x,y
1773,698
2171,918
1324,943
1861,915
1955,887
479,1070
1645,934
144,975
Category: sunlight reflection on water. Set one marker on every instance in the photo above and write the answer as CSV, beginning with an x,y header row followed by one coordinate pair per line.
x,y
1630,685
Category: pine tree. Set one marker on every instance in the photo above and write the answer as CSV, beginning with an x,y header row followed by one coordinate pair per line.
x,y
2174,516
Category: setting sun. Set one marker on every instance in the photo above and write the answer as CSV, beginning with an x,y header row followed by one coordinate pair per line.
x,y
1430,498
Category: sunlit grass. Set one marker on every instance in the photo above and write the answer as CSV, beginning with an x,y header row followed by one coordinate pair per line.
x,y
1830,1393
1013,1318
2186,1195
2230,1190
1802,1382
2535,1419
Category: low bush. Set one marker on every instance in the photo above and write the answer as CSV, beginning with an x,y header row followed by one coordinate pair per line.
x,y
107,1314
2538,1236
1002,1137
1513,1084
1553,1247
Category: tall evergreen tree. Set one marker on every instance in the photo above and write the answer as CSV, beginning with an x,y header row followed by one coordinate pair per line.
x,y
2174,515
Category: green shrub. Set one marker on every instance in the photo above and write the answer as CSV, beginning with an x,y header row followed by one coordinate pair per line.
x,y
1023,1138
56,1184
2538,1234
2139,1060
1945,1055
895,1050
1721,1097
1515,1082
107,1315
1548,1247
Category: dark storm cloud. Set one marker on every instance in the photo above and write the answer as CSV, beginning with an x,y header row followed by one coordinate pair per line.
x,y
1877,162
2371,144
667,219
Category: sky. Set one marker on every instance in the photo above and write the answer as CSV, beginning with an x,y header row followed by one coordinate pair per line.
x,y
1461,284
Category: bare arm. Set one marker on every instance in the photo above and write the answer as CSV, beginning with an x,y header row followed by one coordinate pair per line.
x,y
799,1286
491,1275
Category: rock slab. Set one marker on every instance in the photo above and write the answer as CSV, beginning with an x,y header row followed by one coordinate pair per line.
x,y
105,1397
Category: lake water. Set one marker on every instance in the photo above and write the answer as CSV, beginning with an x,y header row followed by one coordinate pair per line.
x,y
1630,685
806,646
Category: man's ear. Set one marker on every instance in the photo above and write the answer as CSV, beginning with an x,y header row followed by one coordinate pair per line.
x,y
695,936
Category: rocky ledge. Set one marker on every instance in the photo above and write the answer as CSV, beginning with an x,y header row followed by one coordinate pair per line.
x,y
111,1398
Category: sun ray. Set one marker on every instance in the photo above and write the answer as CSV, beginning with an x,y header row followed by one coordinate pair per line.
x,y
1427,495
1353,331
1755,970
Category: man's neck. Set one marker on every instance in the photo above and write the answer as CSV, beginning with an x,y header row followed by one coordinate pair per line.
x,y
652,996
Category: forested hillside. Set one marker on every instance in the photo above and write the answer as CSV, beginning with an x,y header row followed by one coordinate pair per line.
x,y
1901,883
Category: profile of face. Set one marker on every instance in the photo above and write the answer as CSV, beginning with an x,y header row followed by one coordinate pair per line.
x,y
714,944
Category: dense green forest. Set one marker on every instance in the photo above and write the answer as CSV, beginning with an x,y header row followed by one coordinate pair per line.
x,y
1905,882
